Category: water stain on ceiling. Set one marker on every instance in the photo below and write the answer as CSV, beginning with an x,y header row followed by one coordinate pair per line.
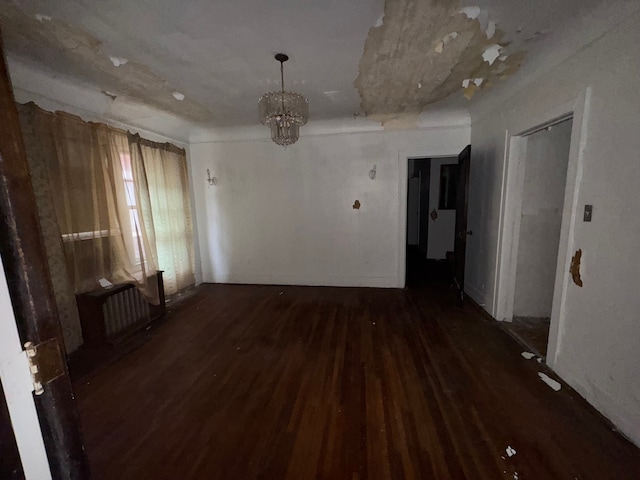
x,y
422,51
63,47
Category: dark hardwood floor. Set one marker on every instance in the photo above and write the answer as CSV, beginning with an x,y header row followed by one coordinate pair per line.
x,y
532,332
267,382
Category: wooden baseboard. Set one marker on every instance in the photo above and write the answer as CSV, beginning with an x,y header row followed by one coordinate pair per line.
x,y
476,306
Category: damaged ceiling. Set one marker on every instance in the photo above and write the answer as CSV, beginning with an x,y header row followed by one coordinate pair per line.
x,y
427,50
209,62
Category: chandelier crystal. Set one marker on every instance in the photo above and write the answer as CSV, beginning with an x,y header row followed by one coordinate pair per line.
x,y
283,112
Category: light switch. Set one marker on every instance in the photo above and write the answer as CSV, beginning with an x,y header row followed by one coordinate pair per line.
x,y
588,210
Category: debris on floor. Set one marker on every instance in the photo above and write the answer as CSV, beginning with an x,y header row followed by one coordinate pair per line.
x,y
550,381
528,355
510,451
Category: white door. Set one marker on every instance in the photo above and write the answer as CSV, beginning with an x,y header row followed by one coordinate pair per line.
x,y
18,390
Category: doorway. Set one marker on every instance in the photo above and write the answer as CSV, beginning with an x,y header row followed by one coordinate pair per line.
x,y
538,227
431,216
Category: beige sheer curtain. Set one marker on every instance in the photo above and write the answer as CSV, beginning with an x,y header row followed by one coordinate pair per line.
x,y
101,237
163,168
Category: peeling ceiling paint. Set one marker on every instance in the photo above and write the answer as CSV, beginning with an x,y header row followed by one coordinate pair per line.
x,y
432,44
219,55
82,53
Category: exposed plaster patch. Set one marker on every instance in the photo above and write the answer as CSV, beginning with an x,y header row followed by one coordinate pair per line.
x,y
65,48
574,269
43,18
471,12
117,61
380,21
178,96
491,29
491,53
528,355
395,59
447,38
467,81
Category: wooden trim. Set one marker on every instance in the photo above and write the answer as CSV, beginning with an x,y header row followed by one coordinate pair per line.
x,y
26,269
169,147
476,306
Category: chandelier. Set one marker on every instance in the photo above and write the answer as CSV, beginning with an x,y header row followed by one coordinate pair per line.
x,y
283,112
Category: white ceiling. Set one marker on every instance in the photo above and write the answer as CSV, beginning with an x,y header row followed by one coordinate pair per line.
x,y
220,54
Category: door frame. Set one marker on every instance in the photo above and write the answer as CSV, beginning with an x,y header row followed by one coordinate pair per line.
x,y
511,205
403,174
17,388
28,281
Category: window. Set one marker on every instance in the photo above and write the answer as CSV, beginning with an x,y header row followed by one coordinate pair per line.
x,y
134,217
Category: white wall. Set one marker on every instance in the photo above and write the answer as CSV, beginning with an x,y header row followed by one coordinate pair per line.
x,y
285,216
442,230
541,218
599,329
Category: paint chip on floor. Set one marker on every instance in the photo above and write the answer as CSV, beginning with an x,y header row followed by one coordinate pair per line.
x,y
528,355
550,381
510,451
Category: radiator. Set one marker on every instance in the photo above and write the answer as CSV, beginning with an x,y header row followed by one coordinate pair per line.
x,y
110,316
123,310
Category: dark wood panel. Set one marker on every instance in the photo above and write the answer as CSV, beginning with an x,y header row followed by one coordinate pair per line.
x,y
264,382
29,284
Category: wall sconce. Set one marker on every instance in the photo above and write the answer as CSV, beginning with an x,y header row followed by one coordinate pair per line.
x,y
210,179
372,173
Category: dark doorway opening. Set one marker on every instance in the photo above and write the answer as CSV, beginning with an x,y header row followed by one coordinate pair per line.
x,y
430,221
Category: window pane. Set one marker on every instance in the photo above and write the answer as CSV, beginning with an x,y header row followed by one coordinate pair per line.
x,y
131,193
125,161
